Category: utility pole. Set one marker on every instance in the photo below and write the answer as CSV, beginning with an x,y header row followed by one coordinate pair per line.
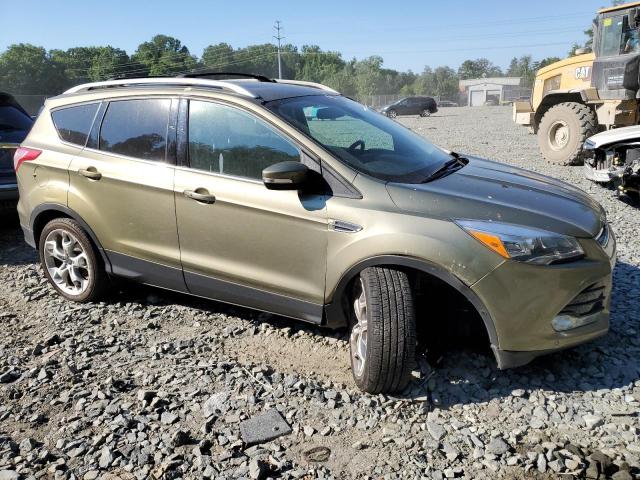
x,y
279,38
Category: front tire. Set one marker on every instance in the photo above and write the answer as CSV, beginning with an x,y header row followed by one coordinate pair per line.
x,y
563,130
383,334
392,114
70,262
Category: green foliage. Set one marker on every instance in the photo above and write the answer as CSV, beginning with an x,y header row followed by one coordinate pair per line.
x,y
478,68
163,55
26,69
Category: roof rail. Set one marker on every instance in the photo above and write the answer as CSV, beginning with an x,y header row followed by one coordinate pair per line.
x,y
231,75
184,82
308,84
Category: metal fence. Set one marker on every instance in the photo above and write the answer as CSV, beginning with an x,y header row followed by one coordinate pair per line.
x,y
31,103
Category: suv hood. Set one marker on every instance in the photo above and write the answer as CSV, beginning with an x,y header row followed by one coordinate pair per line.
x,y
485,190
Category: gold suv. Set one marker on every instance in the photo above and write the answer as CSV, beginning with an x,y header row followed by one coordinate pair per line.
x,y
287,197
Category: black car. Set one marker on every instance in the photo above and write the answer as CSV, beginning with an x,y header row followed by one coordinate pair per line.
x,y
423,106
15,123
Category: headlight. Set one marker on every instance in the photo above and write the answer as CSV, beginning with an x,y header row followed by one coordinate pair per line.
x,y
524,244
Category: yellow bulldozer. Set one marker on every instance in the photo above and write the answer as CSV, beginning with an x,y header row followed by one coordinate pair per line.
x,y
589,92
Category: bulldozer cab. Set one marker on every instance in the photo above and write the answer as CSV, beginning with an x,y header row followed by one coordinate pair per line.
x,y
617,49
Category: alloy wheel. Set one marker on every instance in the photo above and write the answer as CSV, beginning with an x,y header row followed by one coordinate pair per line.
x,y
358,339
66,261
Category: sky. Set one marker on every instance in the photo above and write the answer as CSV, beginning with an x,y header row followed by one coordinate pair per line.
x,y
406,34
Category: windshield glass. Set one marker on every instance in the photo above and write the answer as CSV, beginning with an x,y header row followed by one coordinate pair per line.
x,y
362,138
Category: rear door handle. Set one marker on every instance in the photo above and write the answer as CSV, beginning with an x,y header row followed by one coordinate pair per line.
x,y
201,196
91,173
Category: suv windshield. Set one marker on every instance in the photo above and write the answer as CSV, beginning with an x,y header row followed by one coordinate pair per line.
x,y
363,139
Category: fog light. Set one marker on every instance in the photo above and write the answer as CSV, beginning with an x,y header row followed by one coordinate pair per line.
x,y
562,323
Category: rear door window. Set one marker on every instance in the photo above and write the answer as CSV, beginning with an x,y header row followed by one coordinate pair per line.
x,y
136,128
73,123
12,119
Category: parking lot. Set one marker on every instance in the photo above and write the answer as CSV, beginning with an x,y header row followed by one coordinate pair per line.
x,y
126,386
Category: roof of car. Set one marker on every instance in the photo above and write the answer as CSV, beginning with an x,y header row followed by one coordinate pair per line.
x,y
259,90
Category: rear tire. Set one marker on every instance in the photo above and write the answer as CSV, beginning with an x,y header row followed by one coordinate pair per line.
x,y
70,261
382,361
425,113
563,130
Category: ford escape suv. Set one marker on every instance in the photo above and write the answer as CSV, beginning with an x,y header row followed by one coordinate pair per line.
x,y
231,190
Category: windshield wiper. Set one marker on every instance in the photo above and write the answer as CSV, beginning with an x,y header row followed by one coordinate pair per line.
x,y
447,168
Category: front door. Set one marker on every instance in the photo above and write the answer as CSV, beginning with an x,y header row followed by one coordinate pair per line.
x,y
122,187
240,242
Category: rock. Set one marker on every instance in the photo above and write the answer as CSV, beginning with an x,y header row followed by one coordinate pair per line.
x,y
592,471
146,395
168,418
106,457
258,469
27,445
264,427
180,438
215,404
9,376
9,475
317,454
497,446
308,431
436,430
358,445
541,463
91,475
518,392
592,421
622,475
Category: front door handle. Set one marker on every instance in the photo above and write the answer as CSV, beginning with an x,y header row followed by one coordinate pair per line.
x,y
90,173
202,196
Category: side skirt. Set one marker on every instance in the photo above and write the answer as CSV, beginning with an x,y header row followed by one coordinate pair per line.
x,y
175,279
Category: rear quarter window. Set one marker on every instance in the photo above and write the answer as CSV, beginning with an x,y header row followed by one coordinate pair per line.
x,y
73,123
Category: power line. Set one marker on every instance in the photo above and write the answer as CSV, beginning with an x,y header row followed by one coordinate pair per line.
x,y
278,37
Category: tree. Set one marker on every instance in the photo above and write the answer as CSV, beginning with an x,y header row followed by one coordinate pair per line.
x,y
28,70
163,56
523,67
478,68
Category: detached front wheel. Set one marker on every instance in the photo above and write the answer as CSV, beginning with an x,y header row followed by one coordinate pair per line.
x,y
383,333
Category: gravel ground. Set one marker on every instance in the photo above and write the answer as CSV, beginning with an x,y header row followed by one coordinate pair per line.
x,y
152,384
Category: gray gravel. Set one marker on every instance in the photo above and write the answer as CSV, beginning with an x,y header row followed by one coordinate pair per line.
x,y
156,385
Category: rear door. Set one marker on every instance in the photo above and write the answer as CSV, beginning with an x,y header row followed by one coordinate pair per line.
x,y
239,241
122,186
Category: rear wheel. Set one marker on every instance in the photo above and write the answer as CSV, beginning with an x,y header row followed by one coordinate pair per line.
x,y
563,130
70,262
383,334
425,113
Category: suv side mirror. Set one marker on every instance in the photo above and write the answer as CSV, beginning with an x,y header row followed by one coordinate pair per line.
x,y
285,175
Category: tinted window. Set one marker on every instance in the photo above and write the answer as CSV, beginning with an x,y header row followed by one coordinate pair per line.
x,y
136,128
232,142
12,118
73,123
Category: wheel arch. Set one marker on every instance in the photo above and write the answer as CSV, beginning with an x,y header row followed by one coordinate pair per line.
x,y
45,212
336,311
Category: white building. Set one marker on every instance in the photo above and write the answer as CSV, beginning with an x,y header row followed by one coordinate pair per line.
x,y
498,90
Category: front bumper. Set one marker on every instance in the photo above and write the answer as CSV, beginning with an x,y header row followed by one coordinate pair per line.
x,y
522,300
602,175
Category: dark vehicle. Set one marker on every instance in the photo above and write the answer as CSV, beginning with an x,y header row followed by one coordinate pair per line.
x,y
423,106
15,124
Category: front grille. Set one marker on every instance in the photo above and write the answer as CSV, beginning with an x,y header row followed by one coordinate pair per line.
x,y
590,300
